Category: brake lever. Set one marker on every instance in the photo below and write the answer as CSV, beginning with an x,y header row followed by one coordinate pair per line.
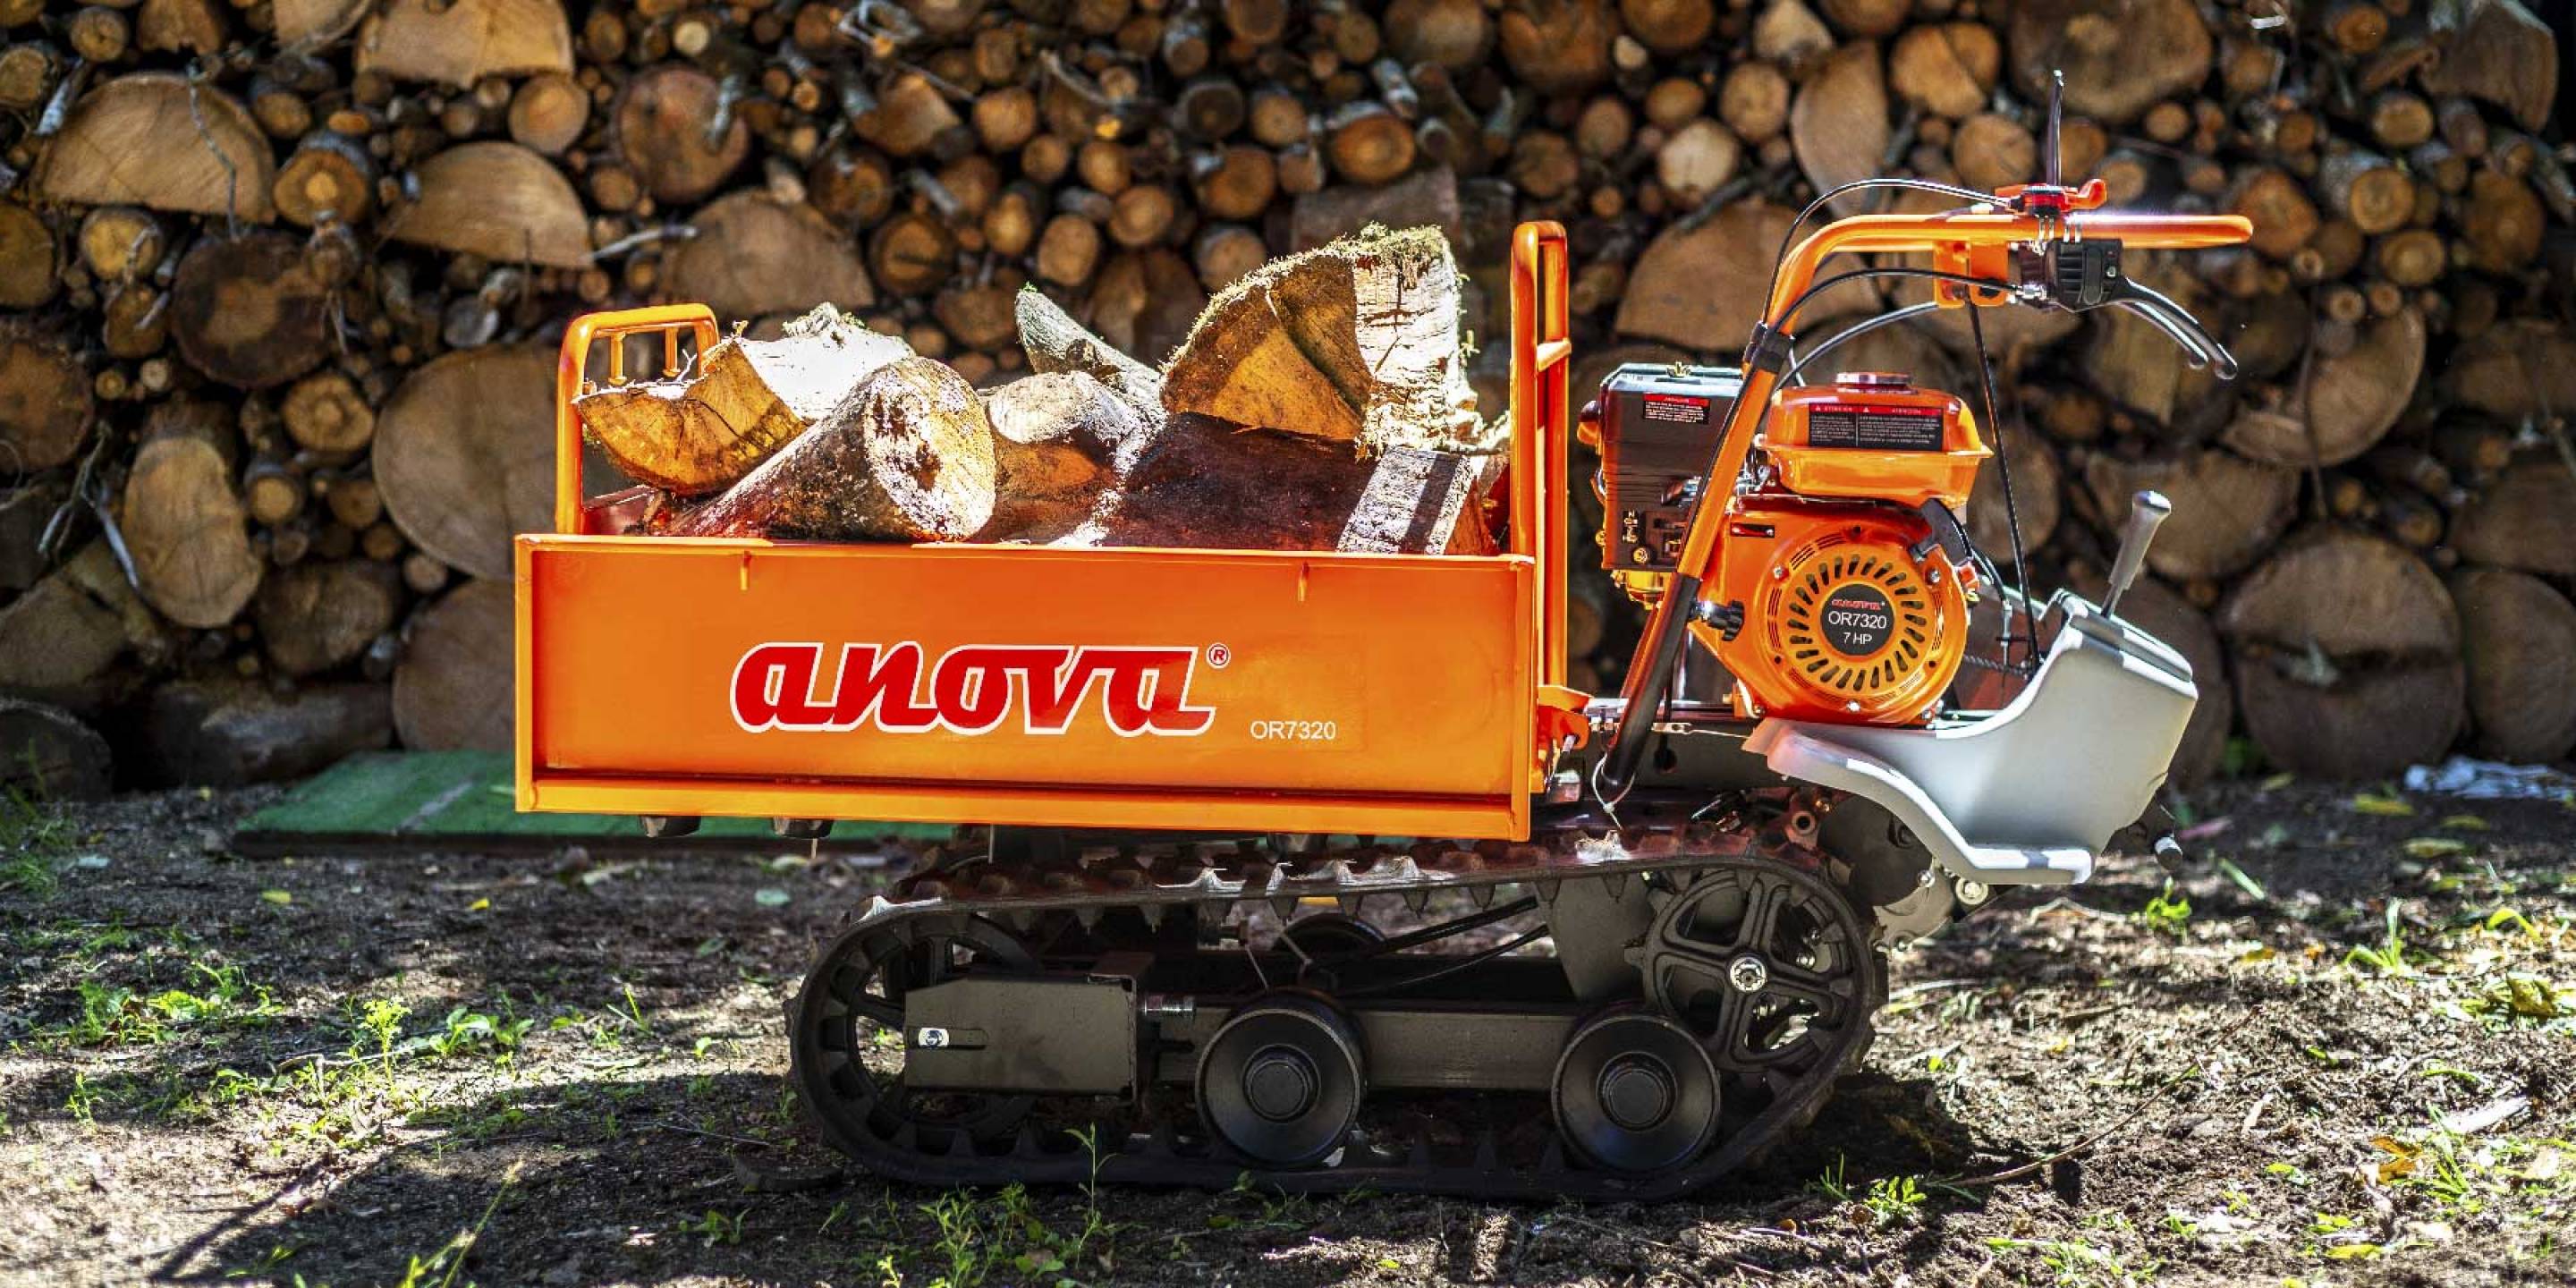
x,y
2221,362
2078,276
2190,345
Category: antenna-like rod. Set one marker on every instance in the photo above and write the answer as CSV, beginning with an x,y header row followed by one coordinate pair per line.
x,y
2051,153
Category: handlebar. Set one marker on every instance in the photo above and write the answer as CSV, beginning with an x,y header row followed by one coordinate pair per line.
x,y
1959,238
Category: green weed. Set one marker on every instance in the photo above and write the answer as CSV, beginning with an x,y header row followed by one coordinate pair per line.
x,y
2169,912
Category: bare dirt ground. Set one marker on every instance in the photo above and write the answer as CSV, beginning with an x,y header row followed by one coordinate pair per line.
x,y
2349,1060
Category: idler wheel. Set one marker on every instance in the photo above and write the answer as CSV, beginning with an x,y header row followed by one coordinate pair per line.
x,y
1635,1092
847,1047
1281,1082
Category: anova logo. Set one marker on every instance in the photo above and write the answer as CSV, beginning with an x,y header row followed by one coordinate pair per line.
x,y
972,689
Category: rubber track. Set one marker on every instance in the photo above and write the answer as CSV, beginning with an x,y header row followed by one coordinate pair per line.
x,y
1217,881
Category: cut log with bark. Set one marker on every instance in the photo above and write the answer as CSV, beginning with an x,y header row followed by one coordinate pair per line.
x,y
461,42
29,258
2227,511
453,687
1062,440
2119,57
138,140
183,525
756,256
1205,482
2351,400
1055,342
2520,650
907,456
2498,51
676,134
1838,124
1355,342
2516,371
2346,652
497,200
47,754
464,455
251,312
228,732
319,615
742,400
2525,520
45,403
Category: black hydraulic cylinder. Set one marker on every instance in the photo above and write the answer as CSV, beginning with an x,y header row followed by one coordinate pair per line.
x,y
1649,682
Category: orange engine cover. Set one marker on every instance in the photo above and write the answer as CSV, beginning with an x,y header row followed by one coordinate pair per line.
x,y
1842,621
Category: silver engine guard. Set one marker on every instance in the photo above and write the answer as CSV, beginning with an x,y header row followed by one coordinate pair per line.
x,y
2028,794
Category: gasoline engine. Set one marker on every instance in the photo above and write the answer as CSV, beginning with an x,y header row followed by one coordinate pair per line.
x,y
1844,577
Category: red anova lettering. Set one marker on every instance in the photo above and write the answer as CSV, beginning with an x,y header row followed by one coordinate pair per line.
x,y
971,690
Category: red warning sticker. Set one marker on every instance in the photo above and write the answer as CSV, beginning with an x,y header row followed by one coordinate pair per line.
x,y
1679,409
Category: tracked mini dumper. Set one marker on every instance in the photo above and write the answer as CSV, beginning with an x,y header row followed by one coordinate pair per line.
x,y
1841,730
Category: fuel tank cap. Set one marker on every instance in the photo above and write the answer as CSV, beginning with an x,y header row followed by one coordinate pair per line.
x,y
1875,379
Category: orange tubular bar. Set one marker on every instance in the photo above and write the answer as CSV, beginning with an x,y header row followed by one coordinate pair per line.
x,y
570,375
1542,423
1945,235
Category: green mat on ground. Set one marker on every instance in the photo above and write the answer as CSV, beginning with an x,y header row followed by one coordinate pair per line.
x,y
450,795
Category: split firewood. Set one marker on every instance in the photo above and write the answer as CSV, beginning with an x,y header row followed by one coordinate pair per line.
x,y
742,400
1356,341
907,456
2516,371
676,134
1839,126
2119,57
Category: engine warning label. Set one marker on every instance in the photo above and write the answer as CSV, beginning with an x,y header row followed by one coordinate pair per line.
x,y
1885,429
1678,409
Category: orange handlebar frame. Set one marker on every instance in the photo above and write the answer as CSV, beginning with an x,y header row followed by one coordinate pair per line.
x,y
1542,371
1970,241
571,375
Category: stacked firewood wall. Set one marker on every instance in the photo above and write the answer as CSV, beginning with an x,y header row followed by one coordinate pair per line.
x,y
279,281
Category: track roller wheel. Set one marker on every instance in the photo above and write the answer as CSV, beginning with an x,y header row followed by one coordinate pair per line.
x,y
1281,1082
1635,1092
848,1038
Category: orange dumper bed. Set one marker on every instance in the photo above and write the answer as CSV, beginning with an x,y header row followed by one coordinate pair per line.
x,y
1030,686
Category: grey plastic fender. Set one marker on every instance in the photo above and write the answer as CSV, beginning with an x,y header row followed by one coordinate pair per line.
x,y
2029,794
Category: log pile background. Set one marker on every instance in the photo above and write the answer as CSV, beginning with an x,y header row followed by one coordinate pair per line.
x,y
279,283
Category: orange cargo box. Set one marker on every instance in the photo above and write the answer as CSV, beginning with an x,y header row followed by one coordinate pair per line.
x,y
1019,685
1016,685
